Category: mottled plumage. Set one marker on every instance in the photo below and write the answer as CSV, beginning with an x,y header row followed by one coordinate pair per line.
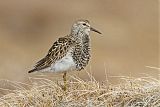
x,y
59,49
68,53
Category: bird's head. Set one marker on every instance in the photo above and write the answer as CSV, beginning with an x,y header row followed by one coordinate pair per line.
x,y
82,27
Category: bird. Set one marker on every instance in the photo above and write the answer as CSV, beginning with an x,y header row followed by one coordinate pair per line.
x,y
68,53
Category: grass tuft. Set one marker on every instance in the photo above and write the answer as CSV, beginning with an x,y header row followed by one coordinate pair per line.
x,y
42,92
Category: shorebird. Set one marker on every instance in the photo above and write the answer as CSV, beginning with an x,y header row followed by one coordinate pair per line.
x,y
68,53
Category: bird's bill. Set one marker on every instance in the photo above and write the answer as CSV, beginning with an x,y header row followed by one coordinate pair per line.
x,y
93,29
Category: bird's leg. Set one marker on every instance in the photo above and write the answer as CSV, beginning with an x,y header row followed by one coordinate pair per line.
x,y
64,80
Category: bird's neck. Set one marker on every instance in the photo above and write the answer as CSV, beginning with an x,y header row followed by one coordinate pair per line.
x,y
79,36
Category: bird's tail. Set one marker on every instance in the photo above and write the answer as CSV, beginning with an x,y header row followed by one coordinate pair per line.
x,y
33,70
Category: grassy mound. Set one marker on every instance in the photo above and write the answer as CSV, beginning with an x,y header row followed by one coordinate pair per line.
x,y
132,92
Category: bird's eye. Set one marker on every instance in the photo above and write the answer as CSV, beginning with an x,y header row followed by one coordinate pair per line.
x,y
84,24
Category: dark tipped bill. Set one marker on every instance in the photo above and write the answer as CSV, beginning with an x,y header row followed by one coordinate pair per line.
x,y
93,29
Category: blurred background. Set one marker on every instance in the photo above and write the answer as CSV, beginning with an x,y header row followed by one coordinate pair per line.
x,y
129,43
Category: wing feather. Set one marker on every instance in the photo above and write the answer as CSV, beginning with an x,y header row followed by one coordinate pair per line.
x,y
58,50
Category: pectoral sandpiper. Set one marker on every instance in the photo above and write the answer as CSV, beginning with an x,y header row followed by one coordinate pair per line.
x,y
68,53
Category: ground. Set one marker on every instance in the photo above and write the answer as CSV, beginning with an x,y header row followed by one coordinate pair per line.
x,y
42,92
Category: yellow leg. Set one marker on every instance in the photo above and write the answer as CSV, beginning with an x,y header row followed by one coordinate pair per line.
x,y
64,80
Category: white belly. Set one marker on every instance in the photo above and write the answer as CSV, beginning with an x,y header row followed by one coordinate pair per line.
x,y
63,65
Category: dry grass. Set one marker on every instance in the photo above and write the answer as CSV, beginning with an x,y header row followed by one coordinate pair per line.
x,y
132,92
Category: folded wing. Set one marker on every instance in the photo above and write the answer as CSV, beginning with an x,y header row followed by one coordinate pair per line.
x,y
56,52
